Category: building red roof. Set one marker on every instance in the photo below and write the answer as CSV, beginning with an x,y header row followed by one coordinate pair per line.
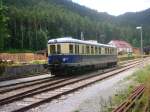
x,y
121,44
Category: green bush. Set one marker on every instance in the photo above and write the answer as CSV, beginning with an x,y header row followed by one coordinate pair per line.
x,y
126,58
38,62
143,75
2,68
3,65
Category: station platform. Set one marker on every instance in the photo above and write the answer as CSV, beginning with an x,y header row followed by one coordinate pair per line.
x,y
20,80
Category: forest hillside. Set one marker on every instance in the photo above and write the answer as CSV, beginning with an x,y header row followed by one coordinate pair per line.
x,y
31,23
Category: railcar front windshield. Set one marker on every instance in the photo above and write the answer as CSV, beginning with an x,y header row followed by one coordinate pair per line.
x,y
55,49
52,49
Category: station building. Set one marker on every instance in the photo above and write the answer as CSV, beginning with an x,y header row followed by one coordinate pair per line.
x,y
123,47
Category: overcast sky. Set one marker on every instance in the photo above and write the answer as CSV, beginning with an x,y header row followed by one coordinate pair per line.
x,y
116,7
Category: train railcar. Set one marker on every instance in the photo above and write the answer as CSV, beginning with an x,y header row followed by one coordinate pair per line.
x,y
68,55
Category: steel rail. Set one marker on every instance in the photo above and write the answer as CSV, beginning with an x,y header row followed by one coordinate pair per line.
x,y
130,101
26,82
38,90
70,90
8,88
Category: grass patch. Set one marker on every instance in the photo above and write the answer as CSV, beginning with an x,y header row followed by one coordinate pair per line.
x,y
127,57
131,57
38,62
27,63
76,111
17,51
141,76
2,68
120,97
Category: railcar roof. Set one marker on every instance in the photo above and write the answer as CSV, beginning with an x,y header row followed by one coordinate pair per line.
x,y
72,40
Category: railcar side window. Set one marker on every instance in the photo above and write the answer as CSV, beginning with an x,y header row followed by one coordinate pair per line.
x,y
96,50
76,49
70,48
58,49
111,50
108,50
92,50
52,49
87,50
100,50
82,49
105,50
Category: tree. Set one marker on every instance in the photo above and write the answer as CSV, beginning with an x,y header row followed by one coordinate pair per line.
x,y
32,22
3,26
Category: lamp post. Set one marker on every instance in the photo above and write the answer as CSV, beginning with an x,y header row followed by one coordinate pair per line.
x,y
141,31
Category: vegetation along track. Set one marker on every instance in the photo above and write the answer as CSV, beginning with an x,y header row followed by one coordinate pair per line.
x,y
130,101
41,95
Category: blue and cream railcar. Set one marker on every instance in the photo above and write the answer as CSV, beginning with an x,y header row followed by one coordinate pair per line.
x,y
67,55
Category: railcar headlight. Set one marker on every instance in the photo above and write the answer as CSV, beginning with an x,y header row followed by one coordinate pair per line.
x,y
64,59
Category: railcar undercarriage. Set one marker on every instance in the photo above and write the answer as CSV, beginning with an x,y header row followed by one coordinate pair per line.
x,y
67,70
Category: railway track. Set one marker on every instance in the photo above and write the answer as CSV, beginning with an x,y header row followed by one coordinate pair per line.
x,y
11,92
130,101
37,96
147,106
27,84
10,87
17,88
22,84
128,61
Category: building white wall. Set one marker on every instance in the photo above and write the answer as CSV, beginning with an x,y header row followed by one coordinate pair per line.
x,y
126,50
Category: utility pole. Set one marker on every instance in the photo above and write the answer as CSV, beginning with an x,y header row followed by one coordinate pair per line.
x,y
82,36
141,31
